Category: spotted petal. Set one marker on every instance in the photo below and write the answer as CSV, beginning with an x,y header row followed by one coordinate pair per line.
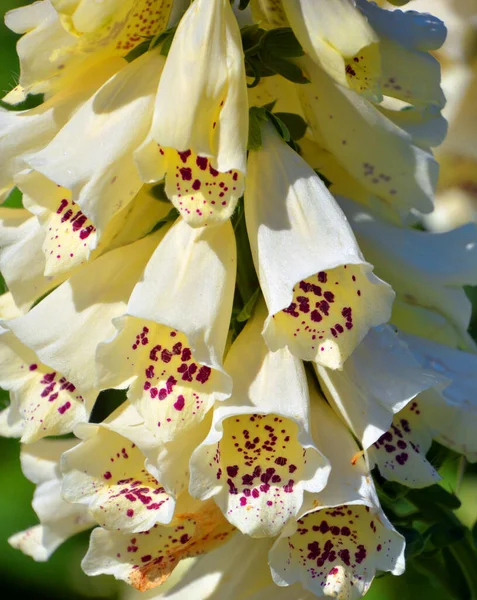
x,y
169,345
336,35
259,458
66,327
145,560
389,165
103,177
321,295
377,381
107,473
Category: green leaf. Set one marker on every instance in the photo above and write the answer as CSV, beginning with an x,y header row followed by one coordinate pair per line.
x,y
282,43
444,534
242,5
172,215
139,50
279,126
159,192
415,541
295,124
247,310
285,68
256,116
435,494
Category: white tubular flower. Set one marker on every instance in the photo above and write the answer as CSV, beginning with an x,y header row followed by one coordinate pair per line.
x,y
450,413
52,370
170,343
64,38
102,176
145,560
321,295
336,35
70,238
43,402
26,132
335,550
409,72
201,117
59,520
400,453
378,380
108,473
388,164
259,458
426,270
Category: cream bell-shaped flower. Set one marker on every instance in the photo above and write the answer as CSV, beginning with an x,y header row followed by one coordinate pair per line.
x,y
64,38
449,412
340,542
102,176
409,72
378,380
400,453
200,127
145,560
169,344
378,153
49,353
338,38
42,402
70,238
109,474
322,297
425,269
26,132
59,520
259,458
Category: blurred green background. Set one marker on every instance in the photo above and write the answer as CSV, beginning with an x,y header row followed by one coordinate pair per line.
x,y
61,577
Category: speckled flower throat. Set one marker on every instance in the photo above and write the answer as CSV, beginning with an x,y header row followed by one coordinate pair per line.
x,y
219,322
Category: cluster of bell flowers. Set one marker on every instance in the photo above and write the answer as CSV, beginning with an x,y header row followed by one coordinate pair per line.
x,y
238,466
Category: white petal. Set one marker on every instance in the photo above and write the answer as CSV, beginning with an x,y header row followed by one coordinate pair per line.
x,y
145,560
66,327
300,241
424,269
103,177
59,519
377,380
259,458
450,413
388,164
201,102
107,473
22,262
171,342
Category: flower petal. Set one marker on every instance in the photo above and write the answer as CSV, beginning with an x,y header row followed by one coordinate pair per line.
x,y
450,413
425,269
377,380
59,519
200,108
339,39
103,177
107,473
388,164
172,351
78,315
258,458
145,560
400,453
48,403
321,295
22,262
